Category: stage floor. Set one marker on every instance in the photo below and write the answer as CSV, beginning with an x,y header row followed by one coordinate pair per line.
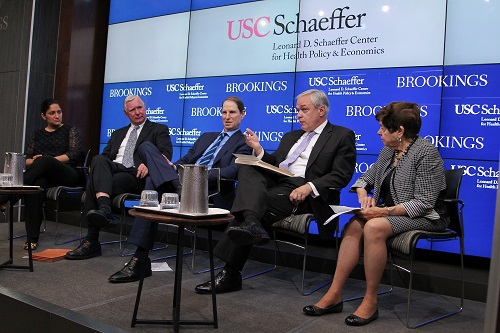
x,y
268,303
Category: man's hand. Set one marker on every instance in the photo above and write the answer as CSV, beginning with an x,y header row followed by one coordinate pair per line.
x,y
168,161
253,141
142,171
300,194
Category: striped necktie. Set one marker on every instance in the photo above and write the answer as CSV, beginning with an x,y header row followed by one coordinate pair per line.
x,y
295,154
209,154
128,155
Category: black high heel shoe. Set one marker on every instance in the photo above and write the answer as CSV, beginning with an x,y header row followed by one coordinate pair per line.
x,y
313,310
353,320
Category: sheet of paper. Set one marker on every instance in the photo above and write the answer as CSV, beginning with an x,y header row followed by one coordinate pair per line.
x,y
160,267
339,210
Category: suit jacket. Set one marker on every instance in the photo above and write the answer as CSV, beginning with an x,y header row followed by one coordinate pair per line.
x,y
416,182
330,165
158,134
224,160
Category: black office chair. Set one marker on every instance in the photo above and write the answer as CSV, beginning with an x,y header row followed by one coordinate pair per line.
x,y
65,198
120,206
404,246
297,226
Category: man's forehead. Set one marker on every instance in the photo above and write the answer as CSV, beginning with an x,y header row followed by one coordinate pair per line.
x,y
302,103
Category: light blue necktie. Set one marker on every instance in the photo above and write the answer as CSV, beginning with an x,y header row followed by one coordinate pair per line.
x,y
128,155
209,154
295,154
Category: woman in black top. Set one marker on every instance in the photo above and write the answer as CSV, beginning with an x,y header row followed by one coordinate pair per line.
x,y
52,154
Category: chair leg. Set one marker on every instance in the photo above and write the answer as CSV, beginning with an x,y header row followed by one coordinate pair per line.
x,y
303,292
410,288
166,246
55,234
268,269
193,258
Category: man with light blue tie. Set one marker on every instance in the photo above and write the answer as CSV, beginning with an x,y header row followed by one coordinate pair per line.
x,y
320,155
214,149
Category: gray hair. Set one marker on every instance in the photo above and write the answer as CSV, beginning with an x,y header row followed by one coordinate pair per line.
x,y
129,98
318,98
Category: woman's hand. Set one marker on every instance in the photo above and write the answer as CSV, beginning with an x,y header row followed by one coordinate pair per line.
x,y
372,212
30,161
364,200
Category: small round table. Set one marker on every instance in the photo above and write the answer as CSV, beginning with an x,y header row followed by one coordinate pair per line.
x,y
11,192
182,222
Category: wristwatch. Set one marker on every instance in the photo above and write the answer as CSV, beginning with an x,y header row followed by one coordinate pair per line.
x,y
390,209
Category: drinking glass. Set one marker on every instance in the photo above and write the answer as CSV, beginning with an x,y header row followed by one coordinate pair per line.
x,y
149,198
169,201
6,179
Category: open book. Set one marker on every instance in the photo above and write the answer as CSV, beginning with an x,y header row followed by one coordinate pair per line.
x,y
252,160
339,210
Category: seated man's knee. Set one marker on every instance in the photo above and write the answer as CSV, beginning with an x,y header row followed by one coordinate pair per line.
x,y
98,159
146,146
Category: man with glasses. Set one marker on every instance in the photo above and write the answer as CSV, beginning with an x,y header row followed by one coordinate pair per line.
x,y
122,168
320,155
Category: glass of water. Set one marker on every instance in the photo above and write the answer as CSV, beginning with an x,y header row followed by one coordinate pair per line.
x,y
169,201
149,198
6,179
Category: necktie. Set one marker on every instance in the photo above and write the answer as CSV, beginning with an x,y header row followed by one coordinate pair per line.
x,y
128,155
209,154
295,154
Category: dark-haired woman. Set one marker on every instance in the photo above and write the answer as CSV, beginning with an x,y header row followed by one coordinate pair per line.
x,y
406,181
52,154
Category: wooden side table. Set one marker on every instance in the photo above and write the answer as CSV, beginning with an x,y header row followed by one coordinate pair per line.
x,y
181,222
12,192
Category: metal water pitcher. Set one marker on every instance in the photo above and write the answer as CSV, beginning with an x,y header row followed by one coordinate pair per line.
x,y
15,165
194,193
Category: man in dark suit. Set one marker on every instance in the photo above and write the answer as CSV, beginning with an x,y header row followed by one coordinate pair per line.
x,y
214,149
121,168
321,156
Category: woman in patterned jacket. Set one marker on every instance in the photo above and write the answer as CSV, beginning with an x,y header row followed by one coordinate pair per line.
x,y
406,181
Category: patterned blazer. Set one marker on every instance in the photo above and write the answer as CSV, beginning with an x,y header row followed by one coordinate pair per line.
x,y
416,182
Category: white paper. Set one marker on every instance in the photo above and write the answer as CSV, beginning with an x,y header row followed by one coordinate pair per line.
x,y
160,267
339,210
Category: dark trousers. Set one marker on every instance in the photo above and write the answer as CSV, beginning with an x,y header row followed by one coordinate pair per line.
x,y
265,195
46,172
111,178
160,176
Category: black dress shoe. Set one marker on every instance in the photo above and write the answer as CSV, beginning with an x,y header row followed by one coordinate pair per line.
x,y
225,281
248,233
100,217
353,320
86,250
131,272
313,310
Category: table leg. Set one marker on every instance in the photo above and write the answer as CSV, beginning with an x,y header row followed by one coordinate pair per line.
x,y
11,231
10,262
179,261
28,237
212,277
137,300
